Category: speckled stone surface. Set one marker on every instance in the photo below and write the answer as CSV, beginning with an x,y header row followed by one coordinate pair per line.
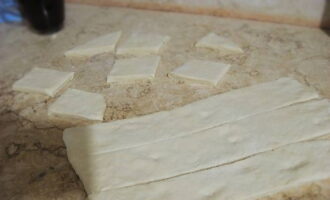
x,y
33,161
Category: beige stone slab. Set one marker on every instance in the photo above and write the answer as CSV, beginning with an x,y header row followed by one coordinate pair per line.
x,y
302,12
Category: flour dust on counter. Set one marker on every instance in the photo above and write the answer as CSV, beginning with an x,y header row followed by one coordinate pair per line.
x,y
104,44
43,81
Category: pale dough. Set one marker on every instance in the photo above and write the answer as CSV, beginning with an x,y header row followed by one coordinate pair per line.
x,y
103,44
142,44
130,69
202,71
216,42
209,148
43,81
197,116
79,105
264,174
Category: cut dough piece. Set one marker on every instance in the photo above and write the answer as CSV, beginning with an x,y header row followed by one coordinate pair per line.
x,y
79,104
202,71
194,117
216,42
103,44
210,148
142,44
261,175
43,81
132,69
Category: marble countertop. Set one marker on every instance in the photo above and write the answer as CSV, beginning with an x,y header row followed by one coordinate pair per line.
x,y
33,161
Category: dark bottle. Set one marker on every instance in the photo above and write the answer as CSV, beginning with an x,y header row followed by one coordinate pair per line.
x,y
44,16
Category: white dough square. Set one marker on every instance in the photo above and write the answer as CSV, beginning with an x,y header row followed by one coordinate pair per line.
x,y
104,44
142,44
79,105
216,42
141,68
43,81
202,71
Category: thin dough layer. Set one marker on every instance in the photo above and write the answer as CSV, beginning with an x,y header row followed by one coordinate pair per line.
x,y
140,44
255,177
201,71
194,117
216,42
209,148
79,104
132,69
43,81
103,44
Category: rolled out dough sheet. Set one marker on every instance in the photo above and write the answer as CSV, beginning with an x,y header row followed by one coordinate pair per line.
x,y
79,104
142,44
131,69
216,42
194,117
264,174
103,44
207,72
209,148
43,81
